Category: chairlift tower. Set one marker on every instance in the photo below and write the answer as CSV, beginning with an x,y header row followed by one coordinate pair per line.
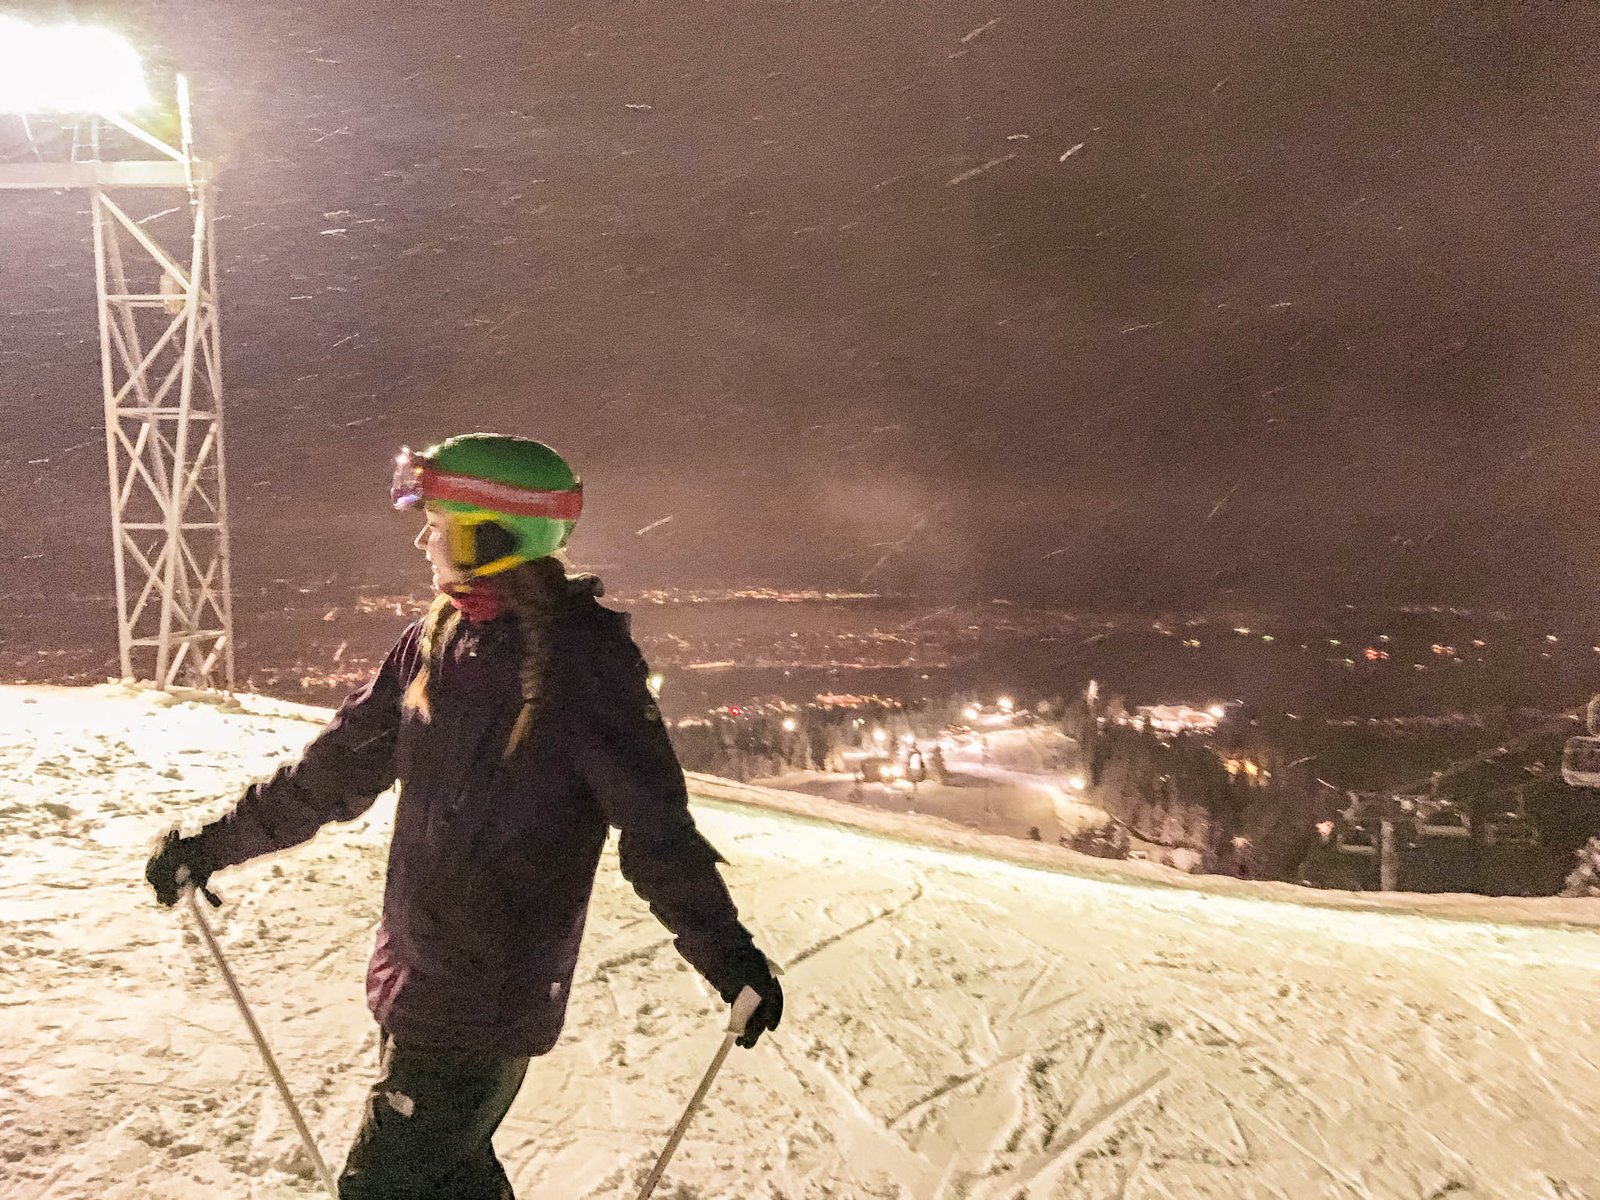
x,y
151,205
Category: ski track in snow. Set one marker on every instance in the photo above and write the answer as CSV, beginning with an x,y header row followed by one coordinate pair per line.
x,y
958,1028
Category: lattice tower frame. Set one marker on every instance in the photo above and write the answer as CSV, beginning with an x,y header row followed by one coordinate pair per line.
x,y
157,298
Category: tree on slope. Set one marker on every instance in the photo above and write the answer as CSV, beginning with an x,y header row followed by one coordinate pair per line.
x,y
1585,877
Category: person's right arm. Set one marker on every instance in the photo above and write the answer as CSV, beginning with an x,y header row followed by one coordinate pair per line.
x,y
338,776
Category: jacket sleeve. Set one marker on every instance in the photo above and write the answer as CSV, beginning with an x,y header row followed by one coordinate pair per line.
x,y
337,777
633,773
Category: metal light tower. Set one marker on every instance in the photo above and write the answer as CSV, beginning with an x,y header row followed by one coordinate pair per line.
x,y
160,352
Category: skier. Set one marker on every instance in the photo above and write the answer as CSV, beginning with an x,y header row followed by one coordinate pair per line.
x,y
516,718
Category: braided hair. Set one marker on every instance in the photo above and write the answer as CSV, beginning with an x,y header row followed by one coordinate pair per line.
x,y
534,591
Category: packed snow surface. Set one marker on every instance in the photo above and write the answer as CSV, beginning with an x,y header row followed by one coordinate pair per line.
x,y
959,1025
1013,781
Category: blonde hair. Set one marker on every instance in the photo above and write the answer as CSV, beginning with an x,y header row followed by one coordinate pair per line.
x,y
534,592
437,628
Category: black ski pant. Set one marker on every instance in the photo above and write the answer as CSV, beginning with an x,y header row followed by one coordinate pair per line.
x,y
430,1116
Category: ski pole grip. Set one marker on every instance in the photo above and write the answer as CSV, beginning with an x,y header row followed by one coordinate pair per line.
x,y
744,1004
182,876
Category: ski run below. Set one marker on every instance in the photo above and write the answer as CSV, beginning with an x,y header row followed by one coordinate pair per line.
x,y
968,1016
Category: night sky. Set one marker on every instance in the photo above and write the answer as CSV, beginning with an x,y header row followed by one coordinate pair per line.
x,y
1156,304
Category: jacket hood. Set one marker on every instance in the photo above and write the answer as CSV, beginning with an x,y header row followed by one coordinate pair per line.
x,y
584,584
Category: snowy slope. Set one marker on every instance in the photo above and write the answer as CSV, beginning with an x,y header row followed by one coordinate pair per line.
x,y
959,1026
1015,782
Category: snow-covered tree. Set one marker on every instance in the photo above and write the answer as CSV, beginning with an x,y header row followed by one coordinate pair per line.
x,y
1585,877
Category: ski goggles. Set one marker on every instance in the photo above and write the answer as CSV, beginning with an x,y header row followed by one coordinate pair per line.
x,y
417,481
465,550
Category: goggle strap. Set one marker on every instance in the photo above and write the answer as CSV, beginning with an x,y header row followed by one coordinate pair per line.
x,y
500,497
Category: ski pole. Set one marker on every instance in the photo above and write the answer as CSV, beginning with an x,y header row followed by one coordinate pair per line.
x,y
746,1003
255,1032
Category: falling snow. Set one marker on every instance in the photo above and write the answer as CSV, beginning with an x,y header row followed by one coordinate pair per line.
x,y
988,166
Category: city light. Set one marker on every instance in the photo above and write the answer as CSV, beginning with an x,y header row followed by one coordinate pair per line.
x,y
655,682
1076,783
68,69
970,712
1005,704
880,736
790,724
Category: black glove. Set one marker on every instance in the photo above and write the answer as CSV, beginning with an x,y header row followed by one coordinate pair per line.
x,y
753,971
166,869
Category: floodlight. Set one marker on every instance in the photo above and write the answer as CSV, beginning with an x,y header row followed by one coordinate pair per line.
x,y
160,345
68,69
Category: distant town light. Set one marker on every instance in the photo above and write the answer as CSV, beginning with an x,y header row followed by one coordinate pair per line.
x,y
1005,704
1173,718
68,69
790,724
654,683
1076,783
880,736
970,712
1217,711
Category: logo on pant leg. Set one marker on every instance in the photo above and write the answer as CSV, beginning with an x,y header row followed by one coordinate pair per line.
x,y
401,1103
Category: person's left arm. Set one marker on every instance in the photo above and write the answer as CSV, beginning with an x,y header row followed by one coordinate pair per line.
x,y
633,773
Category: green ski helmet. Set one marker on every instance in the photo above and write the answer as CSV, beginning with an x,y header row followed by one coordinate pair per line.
x,y
509,499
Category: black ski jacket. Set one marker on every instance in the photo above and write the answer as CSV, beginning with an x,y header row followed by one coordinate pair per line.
x,y
492,862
